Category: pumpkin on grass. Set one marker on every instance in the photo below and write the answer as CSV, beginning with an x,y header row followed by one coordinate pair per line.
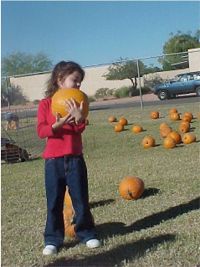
x,y
174,116
188,114
112,119
154,115
68,215
188,138
176,136
165,131
169,142
118,128
131,188
123,121
148,141
186,118
70,230
58,102
173,110
137,129
184,127
163,125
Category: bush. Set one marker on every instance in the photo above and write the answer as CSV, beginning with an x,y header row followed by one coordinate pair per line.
x,y
129,91
146,90
36,101
91,99
104,92
122,91
12,95
152,81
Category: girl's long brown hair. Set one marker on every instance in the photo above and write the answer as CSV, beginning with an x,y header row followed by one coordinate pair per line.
x,y
60,71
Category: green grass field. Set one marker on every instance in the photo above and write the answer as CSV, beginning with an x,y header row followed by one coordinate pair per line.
x,y
159,229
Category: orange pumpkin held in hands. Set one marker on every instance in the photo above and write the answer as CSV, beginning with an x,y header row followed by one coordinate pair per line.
x,y
154,115
137,129
58,104
123,121
188,138
148,141
169,142
118,128
131,188
112,119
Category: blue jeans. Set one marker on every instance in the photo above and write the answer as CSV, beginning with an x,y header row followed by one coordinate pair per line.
x,y
60,172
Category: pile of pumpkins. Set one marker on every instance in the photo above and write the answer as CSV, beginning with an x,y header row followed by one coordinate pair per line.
x,y
170,137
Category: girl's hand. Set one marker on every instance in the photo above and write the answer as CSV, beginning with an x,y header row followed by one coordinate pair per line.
x,y
61,121
74,111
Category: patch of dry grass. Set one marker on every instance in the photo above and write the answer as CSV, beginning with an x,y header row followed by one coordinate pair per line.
x,y
159,229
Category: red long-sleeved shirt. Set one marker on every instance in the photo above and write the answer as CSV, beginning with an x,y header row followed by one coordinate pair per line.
x,y
65,141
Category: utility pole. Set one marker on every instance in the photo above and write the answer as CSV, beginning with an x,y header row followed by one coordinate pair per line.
x,y
140,89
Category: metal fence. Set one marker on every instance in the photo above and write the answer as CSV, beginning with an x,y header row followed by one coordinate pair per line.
x,y
24,137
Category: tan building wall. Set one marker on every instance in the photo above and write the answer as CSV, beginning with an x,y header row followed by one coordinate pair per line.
x,y
33,86
194,59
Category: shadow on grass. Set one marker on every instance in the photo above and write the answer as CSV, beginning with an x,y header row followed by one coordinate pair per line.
x,y
151,191
157,145
95,204
168,214
192,129
115,256
118,228
70,243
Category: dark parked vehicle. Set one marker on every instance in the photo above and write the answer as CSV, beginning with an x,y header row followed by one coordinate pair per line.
x,y
185,83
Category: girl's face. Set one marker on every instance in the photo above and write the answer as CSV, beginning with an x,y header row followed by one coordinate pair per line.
x,y
72,80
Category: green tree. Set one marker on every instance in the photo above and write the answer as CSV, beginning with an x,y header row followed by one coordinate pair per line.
x,y
128,70
178,43
22,63
19,64
11,95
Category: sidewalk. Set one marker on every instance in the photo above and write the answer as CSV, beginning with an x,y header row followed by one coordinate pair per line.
x,y
145,98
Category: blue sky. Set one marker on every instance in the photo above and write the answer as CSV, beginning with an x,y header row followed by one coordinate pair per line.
x,y
91,32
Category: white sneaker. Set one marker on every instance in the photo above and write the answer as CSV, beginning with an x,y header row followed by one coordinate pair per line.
x,y
49,250
93,243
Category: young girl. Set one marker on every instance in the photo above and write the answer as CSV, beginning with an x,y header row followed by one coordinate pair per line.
x,y
64,162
